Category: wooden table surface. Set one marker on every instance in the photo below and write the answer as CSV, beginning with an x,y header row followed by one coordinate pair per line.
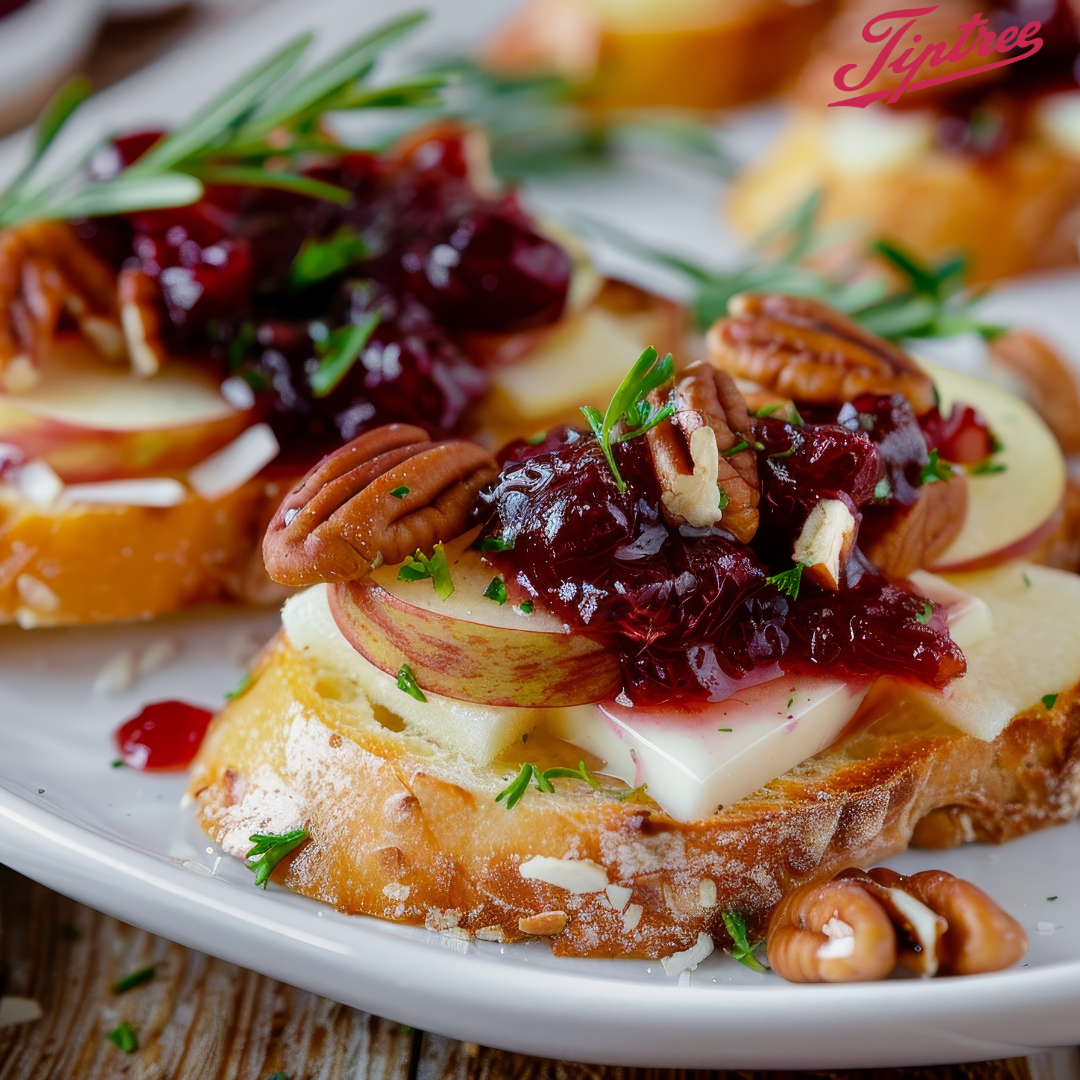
x,y
204,1019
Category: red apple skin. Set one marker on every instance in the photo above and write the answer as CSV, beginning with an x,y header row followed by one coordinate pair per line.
x,y
489,665
1016,550
84,455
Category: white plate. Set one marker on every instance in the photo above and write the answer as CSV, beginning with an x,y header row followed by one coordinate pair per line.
x,y
119,841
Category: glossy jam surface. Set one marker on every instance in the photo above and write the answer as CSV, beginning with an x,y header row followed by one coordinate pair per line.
x,y
691,610
244,274
165,735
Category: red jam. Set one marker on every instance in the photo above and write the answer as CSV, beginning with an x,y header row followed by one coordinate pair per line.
x,y
434,258
689,609
166,735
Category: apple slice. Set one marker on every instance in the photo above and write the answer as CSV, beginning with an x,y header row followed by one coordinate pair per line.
x,y
93,422
470,647
1012,511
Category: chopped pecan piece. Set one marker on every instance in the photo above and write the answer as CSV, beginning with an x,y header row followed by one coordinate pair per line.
x,y
140,317
826,541
913,536
342,519
704,477
45,272
807,351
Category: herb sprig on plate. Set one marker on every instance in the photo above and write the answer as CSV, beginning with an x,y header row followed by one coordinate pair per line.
x,y
251,134
269,850
532,774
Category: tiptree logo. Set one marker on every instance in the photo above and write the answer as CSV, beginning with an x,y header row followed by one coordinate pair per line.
x,y
893,29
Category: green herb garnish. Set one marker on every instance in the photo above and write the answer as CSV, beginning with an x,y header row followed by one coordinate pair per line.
x,y
537,439
790,702
496,590
1026,580
925,614
136,978
269,850
629,405
124,1037
400,492
741,949
495,543
882,489
935,470
419,566
241,686
788,581
1049,700
767,410
338,352
985,468
318,260
526,607
406,681
116,763
532,774
738,448
724,729
1051,898
724,500
242,136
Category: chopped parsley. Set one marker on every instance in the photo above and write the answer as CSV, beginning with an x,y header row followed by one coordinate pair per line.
x,y
788,581
495,543
241,685
124,1037
1026,580
116,763
269,850
1049,700
738,448
790,702
136,978
406,681
532,774
318,260
400,492
741,949
724,729
724,500
796,417
537,439
418,566
767,410
925,614
935,469
338,353
1051,898
629,403
496,590
526,607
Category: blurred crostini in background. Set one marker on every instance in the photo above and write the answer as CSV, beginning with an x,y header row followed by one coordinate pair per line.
x,y
701,54
987,163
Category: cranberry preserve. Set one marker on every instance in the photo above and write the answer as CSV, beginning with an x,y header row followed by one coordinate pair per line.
x,y
345,317
689,609
165,735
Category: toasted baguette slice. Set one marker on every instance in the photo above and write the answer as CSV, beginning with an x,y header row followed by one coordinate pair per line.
x,y
402,830
62,566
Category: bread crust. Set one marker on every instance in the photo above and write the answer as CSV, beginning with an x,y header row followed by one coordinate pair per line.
x,y
403,832
96,563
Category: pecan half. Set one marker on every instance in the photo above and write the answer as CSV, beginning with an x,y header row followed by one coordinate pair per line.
x,y
858,926
702,481
46,271
807,351
342,519
909,537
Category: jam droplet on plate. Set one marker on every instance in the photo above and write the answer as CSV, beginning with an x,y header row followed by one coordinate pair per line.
x,y
164,736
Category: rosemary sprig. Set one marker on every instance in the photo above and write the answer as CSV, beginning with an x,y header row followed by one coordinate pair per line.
x,y
929,301
241,136
532,774
629,404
